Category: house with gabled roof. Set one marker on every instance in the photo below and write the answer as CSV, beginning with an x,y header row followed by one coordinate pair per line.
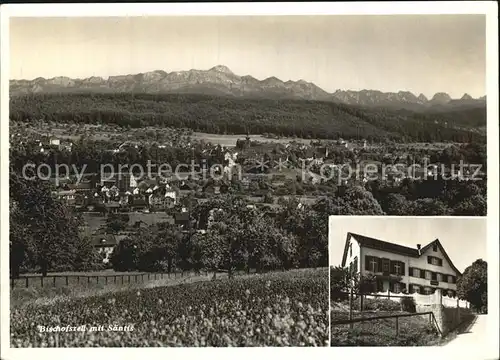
x,y
104,244
398,268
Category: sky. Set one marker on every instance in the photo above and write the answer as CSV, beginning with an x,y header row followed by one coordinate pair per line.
x,y
464,239
419,53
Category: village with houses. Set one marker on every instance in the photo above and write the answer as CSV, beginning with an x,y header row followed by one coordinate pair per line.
x,y
264,172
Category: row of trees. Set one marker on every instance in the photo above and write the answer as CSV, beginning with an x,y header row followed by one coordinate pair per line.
x,y
236,237
306,119
45,236
431,197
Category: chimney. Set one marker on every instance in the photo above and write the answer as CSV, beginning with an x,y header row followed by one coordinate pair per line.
x,y
418,248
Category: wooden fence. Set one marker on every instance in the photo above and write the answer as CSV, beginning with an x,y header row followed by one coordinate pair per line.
x,y
27,281
432,320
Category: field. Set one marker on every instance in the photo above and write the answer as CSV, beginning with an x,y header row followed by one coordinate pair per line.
x,y
230,140
104,133
413,331
276,309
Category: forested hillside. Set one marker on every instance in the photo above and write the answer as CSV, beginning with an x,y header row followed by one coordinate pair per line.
x,y
223,115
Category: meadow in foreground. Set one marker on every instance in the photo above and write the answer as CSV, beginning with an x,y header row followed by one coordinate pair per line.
x,y
279,309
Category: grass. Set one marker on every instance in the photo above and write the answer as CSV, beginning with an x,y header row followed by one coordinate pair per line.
x,y
35,294
413,331
273,309
21,296
465,325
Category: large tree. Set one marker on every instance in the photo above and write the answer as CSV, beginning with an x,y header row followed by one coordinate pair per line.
x,y
473,285
353,200
44,233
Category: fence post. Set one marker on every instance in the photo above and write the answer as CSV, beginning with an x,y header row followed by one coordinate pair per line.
x,y
106,280
114,279
41,280
397,326
27,281
88,279
53,281
67,280
78,279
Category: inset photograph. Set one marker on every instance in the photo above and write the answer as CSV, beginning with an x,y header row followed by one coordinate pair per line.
x,y
407,281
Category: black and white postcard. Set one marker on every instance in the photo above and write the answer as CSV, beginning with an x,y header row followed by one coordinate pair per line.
x,y
171,172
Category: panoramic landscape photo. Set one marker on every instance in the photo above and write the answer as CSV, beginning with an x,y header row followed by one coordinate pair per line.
x,y
171,178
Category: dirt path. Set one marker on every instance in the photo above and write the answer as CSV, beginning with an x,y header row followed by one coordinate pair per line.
x,y
472,341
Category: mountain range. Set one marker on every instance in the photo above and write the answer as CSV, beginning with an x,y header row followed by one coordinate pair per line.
x,y
220,80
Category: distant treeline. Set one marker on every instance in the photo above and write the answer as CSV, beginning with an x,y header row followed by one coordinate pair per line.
x,y
221,115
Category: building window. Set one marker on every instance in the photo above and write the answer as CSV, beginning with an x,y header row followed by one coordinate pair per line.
x,y
435,247
353,266
439,277
373,265
450,279
385,265
397,268
435,261
416,289
427,291
397,288
428,275
416,273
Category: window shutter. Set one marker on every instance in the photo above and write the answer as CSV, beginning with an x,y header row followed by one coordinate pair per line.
x,y
377,264
392,270
367,262
410,271
422,274
403,268
429,260
440,261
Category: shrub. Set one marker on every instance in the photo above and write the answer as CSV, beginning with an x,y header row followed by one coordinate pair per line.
x,y
408,304
379,305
